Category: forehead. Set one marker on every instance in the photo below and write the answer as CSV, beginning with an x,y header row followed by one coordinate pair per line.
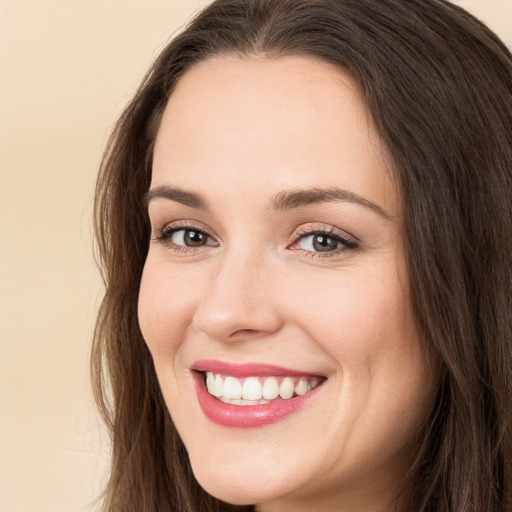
x,y
289,122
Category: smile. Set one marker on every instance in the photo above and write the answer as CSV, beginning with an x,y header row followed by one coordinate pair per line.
x,y
257,390
252,395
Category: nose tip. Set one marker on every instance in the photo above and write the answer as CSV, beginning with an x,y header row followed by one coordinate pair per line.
x,y
235,323
237,306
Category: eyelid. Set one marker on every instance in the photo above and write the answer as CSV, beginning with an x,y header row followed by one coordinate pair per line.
x,y
185,224
347,240
314,227
163,235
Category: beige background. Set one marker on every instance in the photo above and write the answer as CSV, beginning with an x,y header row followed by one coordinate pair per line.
x,y
66,70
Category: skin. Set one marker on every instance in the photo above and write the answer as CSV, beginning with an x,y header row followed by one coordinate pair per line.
x,y
237,132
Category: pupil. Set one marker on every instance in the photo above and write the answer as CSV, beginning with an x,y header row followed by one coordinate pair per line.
x,y
323,243
194,238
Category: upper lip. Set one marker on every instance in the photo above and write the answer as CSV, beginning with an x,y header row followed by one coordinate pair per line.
x,y
241,370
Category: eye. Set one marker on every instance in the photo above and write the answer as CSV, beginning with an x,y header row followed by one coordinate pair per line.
x,y
189,238
183,239
324,242
319,242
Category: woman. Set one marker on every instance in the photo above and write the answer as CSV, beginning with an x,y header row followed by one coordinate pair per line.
x,y
304,222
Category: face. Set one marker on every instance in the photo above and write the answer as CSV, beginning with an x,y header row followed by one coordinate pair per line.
x,y
276,274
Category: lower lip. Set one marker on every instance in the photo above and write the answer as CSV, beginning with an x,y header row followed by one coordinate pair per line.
x,y
247,416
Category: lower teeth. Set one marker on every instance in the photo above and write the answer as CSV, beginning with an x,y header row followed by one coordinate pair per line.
x,y
234,401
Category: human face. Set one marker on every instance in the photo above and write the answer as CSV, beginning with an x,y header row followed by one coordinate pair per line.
x,y
276,252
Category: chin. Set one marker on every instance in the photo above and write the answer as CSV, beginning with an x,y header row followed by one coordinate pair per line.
x,y
236,491
243,484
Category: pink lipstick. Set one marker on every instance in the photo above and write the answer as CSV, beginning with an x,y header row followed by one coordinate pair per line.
x,y
242,415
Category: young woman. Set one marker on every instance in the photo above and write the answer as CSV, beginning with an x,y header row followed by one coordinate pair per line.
x,y
304,221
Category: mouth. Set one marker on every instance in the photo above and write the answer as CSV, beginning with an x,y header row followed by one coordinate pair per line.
x,y
251,395
261,390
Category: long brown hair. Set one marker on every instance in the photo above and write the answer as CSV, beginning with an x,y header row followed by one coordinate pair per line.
x,y
438,85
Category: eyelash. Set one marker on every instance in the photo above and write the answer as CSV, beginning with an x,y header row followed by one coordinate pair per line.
x,y
346,243
164,236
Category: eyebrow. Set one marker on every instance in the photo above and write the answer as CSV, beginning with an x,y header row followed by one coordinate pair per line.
x,y
176,194
286,200
299,198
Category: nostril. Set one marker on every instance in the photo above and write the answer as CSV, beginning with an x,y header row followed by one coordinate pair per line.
x,y
247,333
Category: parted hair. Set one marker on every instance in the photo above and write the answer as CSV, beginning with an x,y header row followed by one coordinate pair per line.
x,y
437,84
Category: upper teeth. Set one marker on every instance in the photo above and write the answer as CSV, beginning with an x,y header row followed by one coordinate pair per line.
x,y
256,390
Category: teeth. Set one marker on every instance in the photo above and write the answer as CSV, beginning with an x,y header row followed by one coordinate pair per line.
x,y
301,387
270,388
252,389
243,402
210,382
215,384
232,388
286,388
218,386
257,390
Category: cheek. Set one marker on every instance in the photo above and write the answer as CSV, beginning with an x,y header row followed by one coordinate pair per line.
x,y
365,323
355,315
165,309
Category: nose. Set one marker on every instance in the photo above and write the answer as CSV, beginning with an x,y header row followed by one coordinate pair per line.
x,y
239,303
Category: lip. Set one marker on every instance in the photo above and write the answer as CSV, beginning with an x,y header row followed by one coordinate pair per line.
x,y
248,369
253,416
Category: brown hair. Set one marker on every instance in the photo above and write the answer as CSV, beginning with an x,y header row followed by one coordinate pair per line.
x,y
438,85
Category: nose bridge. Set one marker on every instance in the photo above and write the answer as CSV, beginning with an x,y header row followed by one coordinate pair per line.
x,y
238,301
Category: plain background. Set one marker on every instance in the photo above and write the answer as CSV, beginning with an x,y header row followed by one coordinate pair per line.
x,y
67,68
